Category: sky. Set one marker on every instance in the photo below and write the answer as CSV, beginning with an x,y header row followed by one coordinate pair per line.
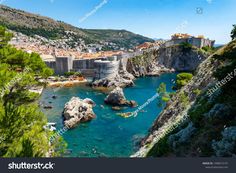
x,y
151,18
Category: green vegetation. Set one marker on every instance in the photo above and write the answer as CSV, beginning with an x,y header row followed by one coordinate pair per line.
x,y
210,115
122,38
228,61
19,60
186,46
233,33
22,129
72,73
161,148
4,37
197,92
196,113
165,98
161,90
208,49
139,60
50,34
184,99
32,24
183,79
21,121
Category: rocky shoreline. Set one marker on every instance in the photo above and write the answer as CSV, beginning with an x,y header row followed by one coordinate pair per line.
x,y
67,83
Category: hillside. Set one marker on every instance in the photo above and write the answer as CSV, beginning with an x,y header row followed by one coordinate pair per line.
x,y
199,120
32,24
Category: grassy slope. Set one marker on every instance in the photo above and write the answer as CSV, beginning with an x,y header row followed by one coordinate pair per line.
x,y
31,24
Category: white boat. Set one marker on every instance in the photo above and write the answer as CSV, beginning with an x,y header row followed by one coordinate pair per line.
x,y
50,126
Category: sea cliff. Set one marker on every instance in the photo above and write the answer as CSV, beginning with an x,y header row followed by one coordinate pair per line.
x,y
196,122
166,59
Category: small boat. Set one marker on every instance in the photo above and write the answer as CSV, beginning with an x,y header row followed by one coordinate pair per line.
x,y
47,107
125,115
50,126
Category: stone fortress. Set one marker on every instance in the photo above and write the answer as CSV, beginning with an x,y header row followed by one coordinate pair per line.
x,y
198,41
104,67
96,68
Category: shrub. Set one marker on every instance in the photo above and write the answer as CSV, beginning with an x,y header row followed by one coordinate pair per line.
x,y
183,79
197,112
72,73
161,148
165,99
208,49
186,46
197,91
184,99
161,89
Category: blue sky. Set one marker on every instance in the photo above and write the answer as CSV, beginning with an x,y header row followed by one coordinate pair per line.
x,y
151,18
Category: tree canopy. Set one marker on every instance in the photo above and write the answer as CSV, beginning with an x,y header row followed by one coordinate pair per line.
x,y
233,32
21,121
183,79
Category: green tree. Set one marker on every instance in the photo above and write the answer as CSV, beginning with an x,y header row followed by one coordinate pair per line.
x,y
21,125
161,90
21,121
183,79
4,36
18,60
233,32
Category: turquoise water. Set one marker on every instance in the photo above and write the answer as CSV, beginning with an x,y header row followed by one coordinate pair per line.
x,y
109,135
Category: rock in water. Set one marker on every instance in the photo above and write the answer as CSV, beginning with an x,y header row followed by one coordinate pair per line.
x,y
89,101
117,98
132,103
122,79
78,110
117,81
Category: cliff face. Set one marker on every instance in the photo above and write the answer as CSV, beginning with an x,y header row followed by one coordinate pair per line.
x,y
180,58
194,124
144,65
164,59
154,63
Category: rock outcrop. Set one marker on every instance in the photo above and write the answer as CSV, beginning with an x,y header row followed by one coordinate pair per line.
x,y
78,111
117,98
146,65
120,80
154,63
180,59
226,146
165,60
182,137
